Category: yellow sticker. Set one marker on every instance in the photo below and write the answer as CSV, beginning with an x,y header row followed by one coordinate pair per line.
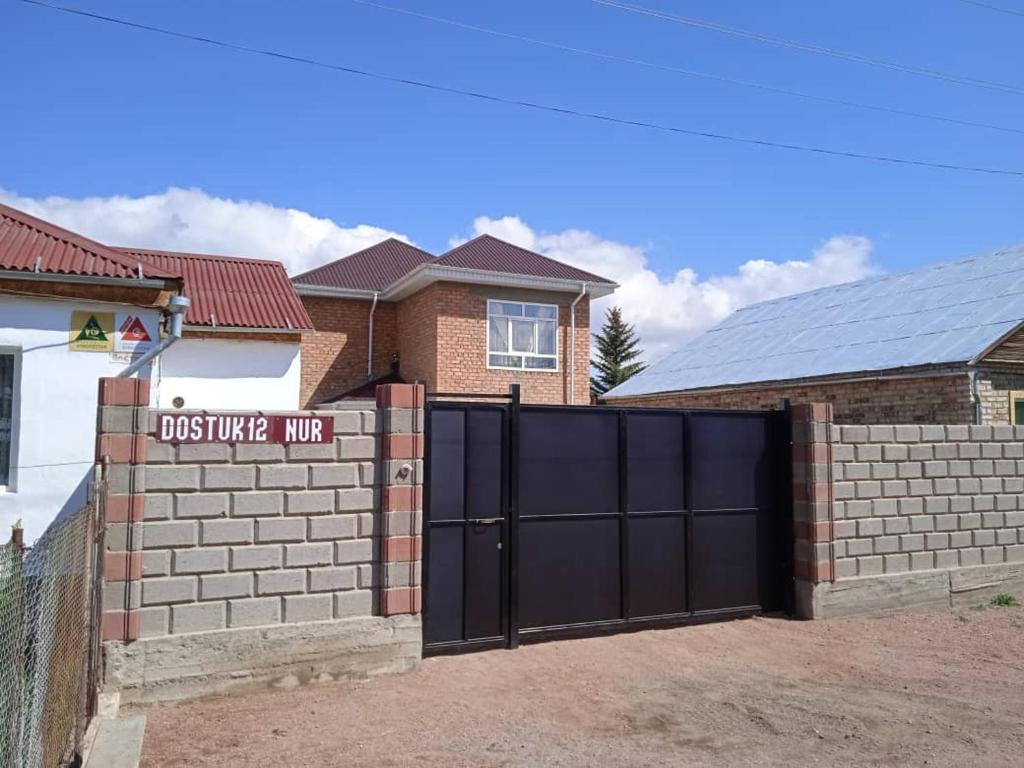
x,y
92,331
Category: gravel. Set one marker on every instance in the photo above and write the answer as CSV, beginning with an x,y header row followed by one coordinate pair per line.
x,y
941,689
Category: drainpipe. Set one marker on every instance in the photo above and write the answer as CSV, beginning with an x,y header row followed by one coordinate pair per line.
x,y
972,377
572,344
369,354
177,306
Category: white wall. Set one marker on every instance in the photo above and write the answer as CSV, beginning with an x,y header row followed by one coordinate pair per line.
x,y
54,409
225,374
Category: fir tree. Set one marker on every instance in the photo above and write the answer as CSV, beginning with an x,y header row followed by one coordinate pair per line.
x,y
617,353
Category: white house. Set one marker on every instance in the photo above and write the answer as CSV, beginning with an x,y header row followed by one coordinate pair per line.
x,y
73,310
240,342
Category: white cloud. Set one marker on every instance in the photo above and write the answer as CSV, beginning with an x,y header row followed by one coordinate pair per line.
x,y
191,220
666,310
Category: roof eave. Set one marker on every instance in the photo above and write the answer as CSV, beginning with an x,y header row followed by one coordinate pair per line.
x,y
995,344
429,273
53,277
241,329
330,291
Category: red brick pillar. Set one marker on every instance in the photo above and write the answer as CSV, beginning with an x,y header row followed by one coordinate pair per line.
x,y
400,406
813,526
121,449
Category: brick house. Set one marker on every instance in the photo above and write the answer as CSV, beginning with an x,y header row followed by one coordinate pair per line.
x,y
475,319
943,344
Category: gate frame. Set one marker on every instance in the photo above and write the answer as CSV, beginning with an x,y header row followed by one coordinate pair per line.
x,y
514,636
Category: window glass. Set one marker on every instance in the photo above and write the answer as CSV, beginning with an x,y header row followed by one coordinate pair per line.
x,y
506,308
1018,411
522,335
506,361
498,329
541,363
546,338
6,416
542,311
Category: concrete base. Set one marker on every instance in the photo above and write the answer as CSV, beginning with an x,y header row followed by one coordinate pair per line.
x,y
179,667
924,590
117,743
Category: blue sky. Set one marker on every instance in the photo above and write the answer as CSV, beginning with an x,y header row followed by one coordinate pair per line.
x,y
94,109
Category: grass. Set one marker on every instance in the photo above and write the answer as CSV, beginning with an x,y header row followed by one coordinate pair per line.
x,y
1003,600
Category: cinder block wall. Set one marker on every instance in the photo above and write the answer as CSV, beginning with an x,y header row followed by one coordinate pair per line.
x,y
221,558
250,535
915,515
917,498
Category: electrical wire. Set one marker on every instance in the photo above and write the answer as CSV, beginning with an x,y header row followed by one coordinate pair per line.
x,y
684,71
816,49
596,116
991,7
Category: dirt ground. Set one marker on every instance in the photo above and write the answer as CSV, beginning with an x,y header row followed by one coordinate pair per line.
x,y
943,689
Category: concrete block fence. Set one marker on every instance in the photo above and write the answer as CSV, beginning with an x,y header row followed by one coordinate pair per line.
x,y
216,552
894,516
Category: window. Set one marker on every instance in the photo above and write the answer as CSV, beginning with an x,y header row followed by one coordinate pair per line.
x,y
7,363
1017,408
522,336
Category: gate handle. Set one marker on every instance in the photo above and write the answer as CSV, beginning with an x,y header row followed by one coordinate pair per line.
x,y
485,520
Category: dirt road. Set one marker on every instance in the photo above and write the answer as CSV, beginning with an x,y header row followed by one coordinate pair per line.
x,y
941,689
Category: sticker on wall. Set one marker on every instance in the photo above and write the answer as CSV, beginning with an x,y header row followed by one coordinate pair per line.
x,y
135,334
91,331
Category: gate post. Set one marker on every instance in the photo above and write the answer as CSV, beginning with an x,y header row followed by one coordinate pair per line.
x,y
401,407
813,524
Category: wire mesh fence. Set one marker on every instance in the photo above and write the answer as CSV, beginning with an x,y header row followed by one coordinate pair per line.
x,y
46,642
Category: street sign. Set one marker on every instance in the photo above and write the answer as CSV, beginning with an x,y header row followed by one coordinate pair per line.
x,y
243,428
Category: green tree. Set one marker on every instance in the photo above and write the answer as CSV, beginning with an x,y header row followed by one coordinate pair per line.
x,y
617,352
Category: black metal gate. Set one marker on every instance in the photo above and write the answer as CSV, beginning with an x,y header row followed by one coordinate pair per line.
x,y
550,521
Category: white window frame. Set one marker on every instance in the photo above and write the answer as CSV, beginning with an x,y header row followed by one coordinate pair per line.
x,y
12,469
523,355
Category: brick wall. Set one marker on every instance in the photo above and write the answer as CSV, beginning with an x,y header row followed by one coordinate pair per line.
x,y
440,337
930,399
994,387
334,357
462,345
222,538
417,339
916,498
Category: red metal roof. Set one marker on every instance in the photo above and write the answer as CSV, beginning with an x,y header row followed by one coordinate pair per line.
x,y
232,292
490,254
371,269
28,244
380,266
494,255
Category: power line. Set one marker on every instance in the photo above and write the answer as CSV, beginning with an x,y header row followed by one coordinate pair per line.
x,y
684,71
527,104
991,7
816,49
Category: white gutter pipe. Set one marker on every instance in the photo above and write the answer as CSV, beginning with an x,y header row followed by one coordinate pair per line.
x,y
177,307
369,354
572,344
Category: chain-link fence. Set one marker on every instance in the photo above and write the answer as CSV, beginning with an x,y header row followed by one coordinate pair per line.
x,y
46,631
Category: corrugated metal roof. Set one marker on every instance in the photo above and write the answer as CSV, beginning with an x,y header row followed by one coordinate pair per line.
x,y
493,255
232,292
24,240
371,269
944,313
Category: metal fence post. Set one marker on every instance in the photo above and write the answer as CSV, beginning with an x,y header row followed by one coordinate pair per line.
x,y
513,516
